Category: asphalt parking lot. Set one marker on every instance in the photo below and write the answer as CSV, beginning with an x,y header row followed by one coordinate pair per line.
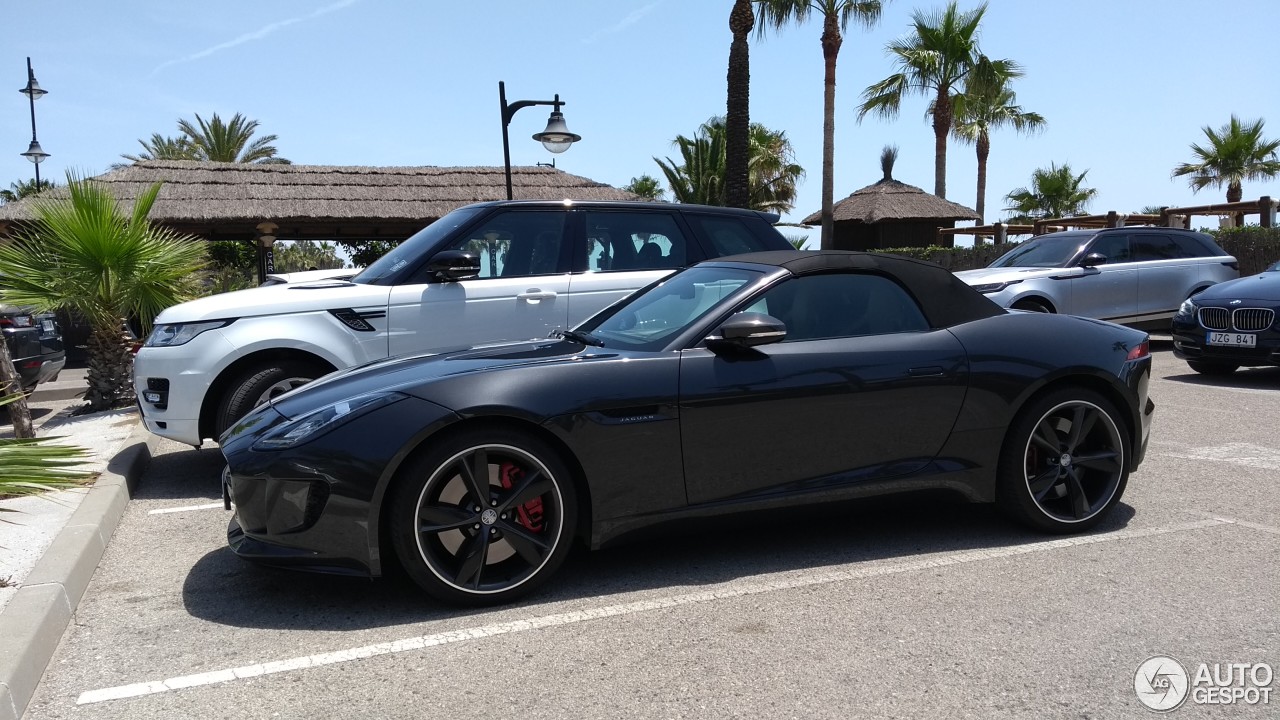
x,y
915,607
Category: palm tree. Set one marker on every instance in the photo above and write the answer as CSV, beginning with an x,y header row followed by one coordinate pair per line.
x,y
646,186
230,142
981,109
84,253
742,20
1236,152
24,188
1054,193
772,173
31,465
160,147
836,15
939,54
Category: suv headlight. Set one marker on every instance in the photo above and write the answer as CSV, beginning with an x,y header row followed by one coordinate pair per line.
x,y
174,334
988,288
321,420
1188,308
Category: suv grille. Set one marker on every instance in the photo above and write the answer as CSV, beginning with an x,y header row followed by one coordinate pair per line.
x,y
1215,318
1253,319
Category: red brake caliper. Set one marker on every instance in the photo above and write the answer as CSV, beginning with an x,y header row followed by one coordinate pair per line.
x,y
530,513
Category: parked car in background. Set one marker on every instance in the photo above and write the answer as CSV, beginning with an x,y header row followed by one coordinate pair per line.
x,y
752,383
35,344
1231,325
484,272
1135,276
335,274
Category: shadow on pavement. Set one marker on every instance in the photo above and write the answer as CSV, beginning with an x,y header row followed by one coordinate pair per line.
x,y
224,589
1260,378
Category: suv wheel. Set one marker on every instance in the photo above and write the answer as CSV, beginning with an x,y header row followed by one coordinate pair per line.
x,y
259,384
1031,306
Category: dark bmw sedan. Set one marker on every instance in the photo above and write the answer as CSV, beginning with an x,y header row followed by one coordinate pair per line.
x,y
1231,324
750,383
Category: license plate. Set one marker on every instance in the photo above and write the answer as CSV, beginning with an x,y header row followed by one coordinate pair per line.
x,y
1232,339
46,326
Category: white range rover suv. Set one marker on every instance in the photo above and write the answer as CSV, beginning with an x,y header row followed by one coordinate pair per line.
x,y
485,272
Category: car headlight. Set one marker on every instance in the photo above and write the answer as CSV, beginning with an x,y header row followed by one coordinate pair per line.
x,y
1187,308
988,288
321,420
174,334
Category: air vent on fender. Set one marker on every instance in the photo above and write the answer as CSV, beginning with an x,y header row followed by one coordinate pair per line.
x,y
357,320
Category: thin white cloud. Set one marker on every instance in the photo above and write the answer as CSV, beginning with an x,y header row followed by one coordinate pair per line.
x,y
626,22
258,34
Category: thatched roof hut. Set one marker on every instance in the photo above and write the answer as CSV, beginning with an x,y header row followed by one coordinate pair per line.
x,y
891,214
227,201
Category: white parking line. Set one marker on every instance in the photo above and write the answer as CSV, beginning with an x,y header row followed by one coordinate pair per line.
x,y
771,582
1236,453
1238,521
188,508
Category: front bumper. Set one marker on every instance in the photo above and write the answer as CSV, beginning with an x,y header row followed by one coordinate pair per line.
x,y
1189,343
171,383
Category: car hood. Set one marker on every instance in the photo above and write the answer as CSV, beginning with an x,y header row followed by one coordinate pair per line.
x,y
417,374
984,276
1264,286
277,300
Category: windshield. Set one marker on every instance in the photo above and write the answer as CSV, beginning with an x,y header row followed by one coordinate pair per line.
x,y
1047,251
650,318
411,250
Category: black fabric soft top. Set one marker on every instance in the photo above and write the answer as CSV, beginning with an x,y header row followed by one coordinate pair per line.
x,y
945,299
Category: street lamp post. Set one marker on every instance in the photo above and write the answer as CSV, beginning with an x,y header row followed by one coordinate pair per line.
x,y
34,92
556,138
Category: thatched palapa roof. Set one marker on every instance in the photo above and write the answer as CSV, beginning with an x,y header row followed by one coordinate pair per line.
x,y
889,200
229,199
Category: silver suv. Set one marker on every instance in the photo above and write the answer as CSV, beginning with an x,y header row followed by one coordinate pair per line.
x,y
1135,276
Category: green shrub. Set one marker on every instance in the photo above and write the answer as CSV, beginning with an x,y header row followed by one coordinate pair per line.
x,y
1255,247
954,259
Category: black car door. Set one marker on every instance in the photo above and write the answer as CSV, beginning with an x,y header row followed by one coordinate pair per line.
x,y
860,388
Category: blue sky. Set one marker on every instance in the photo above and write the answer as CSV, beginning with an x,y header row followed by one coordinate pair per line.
x,y
1125,85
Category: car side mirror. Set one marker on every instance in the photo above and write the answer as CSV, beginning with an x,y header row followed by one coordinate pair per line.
x,y
747,330
454,265
1093,260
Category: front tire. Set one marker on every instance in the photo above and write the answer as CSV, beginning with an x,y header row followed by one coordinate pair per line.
x,y
484,518
259,384
1031,306
1064,463
1212,368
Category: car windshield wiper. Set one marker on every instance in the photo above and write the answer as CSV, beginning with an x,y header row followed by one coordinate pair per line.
x,y
583,337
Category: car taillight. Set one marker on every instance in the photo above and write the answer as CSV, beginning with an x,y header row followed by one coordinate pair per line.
x,y
1140,351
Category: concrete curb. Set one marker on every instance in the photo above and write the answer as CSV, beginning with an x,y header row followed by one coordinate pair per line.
x,y
32,624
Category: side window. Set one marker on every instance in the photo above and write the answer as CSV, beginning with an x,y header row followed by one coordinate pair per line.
x,y
1155,247
517,243
634,241
814,307
1114,246
1192,246
728,235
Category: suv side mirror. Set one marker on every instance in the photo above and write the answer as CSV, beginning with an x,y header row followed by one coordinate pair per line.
x,y
747,330
1093,260
454,265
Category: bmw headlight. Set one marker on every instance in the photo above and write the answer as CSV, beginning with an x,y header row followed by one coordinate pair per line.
x,y
174,334
988,288
321,420
1188,308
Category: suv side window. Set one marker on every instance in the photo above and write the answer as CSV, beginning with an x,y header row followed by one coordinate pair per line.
x,y
1115,246
1149,246
728,235
516,243
1191,246
815,307
634,241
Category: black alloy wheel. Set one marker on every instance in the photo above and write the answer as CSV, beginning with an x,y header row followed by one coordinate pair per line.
x,y
483,519
1065,462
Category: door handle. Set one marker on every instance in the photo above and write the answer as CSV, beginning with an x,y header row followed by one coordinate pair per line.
x,y
927,371
534,294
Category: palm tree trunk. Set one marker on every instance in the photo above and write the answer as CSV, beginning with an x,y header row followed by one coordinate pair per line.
x,y
110,364
830,50
1235,192
941,128
737,120
19,413
984,150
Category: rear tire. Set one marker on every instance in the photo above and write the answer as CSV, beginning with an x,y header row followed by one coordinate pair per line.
x,y
1064,463
1212,368
259,384
484,517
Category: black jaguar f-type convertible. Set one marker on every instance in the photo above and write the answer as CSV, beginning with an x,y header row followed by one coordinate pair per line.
x,y
747,383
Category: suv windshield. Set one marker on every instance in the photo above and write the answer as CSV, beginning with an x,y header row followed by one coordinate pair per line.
x,y
1048,251
409,251
652,317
